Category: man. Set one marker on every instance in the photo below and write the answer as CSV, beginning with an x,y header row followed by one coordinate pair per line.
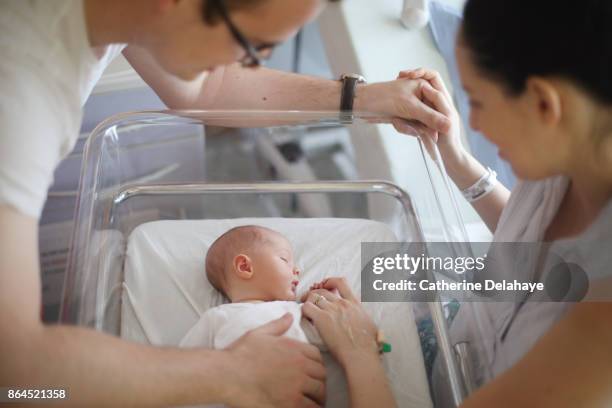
x,y
51,55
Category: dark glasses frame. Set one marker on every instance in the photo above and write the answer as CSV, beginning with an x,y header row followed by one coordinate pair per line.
x,y
253,55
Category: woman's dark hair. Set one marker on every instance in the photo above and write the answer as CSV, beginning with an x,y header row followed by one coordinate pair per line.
x,y
211,14
511,40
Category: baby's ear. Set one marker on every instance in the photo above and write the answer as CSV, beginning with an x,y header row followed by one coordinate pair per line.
x,y
243,267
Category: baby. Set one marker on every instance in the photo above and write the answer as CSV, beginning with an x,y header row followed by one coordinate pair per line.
x,y
254,268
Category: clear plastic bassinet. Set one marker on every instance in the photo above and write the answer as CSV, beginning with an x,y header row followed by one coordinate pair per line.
x,y
125,188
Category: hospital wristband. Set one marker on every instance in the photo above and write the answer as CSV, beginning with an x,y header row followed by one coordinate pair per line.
x,y
482,187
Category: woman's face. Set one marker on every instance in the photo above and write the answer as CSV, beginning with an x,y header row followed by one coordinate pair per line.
x,y
515,124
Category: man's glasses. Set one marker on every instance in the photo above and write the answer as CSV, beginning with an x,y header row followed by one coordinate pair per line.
x,y
253,55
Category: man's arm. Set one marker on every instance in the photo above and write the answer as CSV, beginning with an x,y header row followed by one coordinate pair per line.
x,y
233,87
95,367
571,366
260,368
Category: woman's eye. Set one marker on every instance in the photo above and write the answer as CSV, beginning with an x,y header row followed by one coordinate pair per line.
x,y
474,104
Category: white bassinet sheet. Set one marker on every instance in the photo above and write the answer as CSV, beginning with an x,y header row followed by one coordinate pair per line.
x,y
165,289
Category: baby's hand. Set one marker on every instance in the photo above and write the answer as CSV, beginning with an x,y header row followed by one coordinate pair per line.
x,y
319,285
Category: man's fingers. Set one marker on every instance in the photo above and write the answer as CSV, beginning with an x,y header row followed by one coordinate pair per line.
x,y
411,73
316,371
437,98
315,390
436,81
433,77
276,327
343,288
308,403
311,352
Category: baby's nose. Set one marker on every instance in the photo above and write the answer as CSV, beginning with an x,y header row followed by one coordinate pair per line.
x,y
296,271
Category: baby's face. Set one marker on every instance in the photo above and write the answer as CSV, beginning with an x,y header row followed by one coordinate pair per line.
x,y
274,263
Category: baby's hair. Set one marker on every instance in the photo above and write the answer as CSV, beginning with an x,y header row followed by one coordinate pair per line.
x,y
229,244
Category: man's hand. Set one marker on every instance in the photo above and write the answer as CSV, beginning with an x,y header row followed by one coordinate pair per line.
x,y
270,370
402,98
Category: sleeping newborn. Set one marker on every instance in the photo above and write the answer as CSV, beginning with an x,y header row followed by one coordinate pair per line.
x,y
254,268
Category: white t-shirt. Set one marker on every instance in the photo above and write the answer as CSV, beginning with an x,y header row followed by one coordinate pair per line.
x,y
47,71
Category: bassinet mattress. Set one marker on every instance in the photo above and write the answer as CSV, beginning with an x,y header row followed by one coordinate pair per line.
x,y
165,289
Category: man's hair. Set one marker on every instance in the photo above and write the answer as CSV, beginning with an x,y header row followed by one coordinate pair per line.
x,y
211,14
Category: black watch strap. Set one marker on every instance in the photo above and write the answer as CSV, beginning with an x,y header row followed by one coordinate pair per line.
x,y
347,96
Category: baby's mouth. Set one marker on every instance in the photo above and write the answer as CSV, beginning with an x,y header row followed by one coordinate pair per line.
x,y
294,285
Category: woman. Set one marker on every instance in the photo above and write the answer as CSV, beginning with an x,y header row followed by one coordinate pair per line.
x,y
539,79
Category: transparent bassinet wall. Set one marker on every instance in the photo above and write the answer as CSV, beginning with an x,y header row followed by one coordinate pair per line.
x,y
121,187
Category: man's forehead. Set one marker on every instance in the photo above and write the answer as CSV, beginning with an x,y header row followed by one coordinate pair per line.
x,y
273,21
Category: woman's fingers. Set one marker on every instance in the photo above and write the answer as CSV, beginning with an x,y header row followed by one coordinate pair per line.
x,y
318,288
431,117
414,128
322,298
407,127
312,312
343,288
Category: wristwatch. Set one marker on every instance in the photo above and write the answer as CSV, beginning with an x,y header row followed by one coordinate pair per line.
x,y
347,96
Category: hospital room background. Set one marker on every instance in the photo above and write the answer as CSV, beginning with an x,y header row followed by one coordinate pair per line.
x,y
165,148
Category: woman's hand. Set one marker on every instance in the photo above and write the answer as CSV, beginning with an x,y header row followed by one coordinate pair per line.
x,y
433,92
350,335
343,324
